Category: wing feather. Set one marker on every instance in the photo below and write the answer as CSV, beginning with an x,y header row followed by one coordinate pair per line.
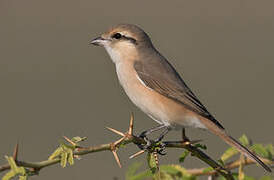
x,y
167,82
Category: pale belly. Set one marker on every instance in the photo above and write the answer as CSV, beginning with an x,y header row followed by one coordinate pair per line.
x,y
160,108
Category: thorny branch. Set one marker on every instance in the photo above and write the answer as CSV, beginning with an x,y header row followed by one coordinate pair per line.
x,y
232,165
127,138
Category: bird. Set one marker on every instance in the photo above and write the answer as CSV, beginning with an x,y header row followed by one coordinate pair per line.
x,y
154,86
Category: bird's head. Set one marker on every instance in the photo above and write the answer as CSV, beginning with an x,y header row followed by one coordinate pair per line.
x,y
123,40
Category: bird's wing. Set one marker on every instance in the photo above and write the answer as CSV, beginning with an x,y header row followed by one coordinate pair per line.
x,y
163,78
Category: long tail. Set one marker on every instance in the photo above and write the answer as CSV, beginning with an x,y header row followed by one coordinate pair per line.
x,y
233,142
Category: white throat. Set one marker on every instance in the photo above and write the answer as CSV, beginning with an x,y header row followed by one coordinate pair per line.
x,y
121,52
115,55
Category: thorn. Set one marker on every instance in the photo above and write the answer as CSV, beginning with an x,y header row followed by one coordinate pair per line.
x,y
130,130
136,154
15,151
115,131
116,158
184,137
70,141
118,141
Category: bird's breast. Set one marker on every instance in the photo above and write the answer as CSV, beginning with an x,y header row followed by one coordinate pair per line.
x,y
160,108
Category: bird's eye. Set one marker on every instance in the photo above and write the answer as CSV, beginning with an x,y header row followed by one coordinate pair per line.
x,y
116,36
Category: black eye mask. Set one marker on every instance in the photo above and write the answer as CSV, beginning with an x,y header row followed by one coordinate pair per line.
x,y
119,36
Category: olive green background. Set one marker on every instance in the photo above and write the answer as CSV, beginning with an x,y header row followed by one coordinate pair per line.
x,y
53,83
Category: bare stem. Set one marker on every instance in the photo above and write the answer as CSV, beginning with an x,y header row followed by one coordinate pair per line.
x,y
232,165
127,138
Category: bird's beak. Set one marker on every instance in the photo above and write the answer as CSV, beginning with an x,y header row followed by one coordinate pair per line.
x,y
99,41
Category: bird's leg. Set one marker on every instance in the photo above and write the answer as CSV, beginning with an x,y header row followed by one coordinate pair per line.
x,y
162,135
144,134
184,137
161,151
149,131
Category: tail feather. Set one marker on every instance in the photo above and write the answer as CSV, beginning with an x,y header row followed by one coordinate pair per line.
x,y
233,142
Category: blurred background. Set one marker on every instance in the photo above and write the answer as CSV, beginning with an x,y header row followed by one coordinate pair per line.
x,y
53,83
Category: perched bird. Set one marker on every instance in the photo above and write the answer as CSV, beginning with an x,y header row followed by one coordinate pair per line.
x,y
154,86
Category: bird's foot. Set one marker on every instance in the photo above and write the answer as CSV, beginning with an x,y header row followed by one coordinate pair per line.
x,y
147,141
152,145
161,149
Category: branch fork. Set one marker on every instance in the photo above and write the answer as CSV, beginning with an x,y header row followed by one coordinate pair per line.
x,y
126,138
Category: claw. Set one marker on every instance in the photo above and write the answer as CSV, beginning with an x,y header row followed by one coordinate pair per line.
x,y
144,146
150,145
143,135
162,149
161,152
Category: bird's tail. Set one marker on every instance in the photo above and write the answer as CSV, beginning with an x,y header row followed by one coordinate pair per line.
x,y
234,143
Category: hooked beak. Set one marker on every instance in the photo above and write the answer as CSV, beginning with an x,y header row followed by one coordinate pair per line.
x,y
99,41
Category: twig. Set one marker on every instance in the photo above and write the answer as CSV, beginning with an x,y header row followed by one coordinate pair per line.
x,y
232,165
202,156
127,138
